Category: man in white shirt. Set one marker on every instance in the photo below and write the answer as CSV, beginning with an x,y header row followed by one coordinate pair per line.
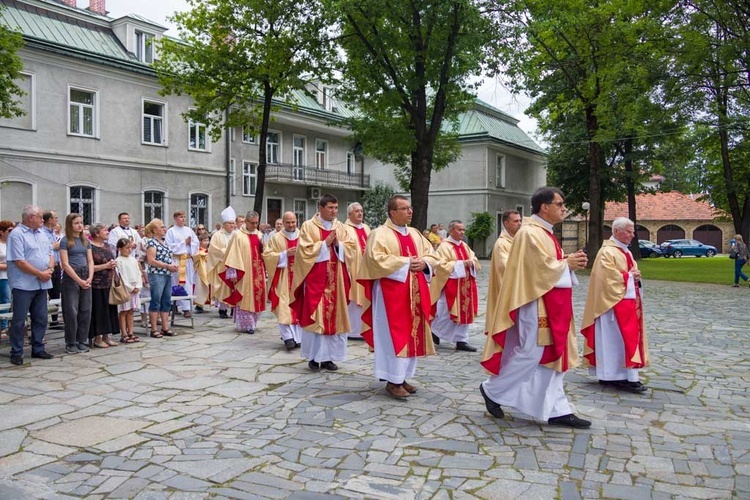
x,y
184,244
123,230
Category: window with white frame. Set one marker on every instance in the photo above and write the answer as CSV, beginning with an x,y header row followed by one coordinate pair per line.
x,y
82,202
300,210
82,112
232,177
500,171
198,209
350,163
249,178
298,158
153,205
144,47
248,136
321,154
273,147
198,136
154,125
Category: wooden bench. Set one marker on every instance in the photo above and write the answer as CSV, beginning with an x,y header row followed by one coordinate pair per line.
x,y
53,307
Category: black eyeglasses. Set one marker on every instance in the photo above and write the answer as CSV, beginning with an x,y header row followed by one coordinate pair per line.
x,y
558,203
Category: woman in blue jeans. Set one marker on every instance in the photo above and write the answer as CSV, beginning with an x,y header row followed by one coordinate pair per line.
x,y
742,256
159,267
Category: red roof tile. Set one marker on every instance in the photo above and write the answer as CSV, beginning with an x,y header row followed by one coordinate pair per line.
x,y
664,206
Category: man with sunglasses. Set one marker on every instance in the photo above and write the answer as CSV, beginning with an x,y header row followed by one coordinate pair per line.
x,y
533,341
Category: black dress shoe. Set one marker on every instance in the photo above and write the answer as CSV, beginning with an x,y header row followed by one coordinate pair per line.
x,y
290,344
16,360
250,332
492,407
570,420
611,382
329,365
633,387
223,314
42,355
313,365
435,339
463,346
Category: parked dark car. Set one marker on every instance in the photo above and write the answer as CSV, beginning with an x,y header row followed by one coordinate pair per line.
x,y
649,249
678,248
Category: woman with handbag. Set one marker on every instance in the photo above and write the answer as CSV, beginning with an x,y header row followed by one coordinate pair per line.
x,y
739,248
159,268
129,272
103,314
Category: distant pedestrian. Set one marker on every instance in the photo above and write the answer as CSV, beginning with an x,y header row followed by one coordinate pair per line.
x,y
30,267
740,248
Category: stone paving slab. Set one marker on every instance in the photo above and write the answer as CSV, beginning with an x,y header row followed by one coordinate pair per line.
x,y
214,413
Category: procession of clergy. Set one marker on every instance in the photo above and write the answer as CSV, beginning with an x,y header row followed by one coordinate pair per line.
x,y
328,281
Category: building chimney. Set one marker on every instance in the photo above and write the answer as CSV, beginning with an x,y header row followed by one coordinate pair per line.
x,y
97,7
69,3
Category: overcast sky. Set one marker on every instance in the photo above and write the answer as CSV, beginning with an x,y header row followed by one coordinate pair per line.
x,y
158,10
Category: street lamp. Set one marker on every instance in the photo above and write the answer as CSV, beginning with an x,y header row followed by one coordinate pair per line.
x,y
586,206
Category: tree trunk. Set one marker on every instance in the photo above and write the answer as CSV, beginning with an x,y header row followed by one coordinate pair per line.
x,y
595,159
419,185
630,186
268,92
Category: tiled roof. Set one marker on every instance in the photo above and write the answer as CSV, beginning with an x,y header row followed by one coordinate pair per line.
x,y
488,122
664,206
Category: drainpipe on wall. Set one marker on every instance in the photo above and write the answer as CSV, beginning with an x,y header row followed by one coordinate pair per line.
x,y
228,147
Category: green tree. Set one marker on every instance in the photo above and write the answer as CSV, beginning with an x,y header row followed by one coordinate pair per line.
x,y
407,69
591,69
236,56
481,227
375,204
714,63
10,71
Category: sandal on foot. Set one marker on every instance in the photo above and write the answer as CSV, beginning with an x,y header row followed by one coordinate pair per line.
x,y
135,338
167,333
126,340
110,342
101,344
156,334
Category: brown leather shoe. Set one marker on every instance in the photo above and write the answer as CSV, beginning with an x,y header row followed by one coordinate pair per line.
x,y
397,391
409,388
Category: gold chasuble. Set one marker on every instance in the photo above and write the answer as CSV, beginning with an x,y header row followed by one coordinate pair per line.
x,y
216,250
248,289
607,287
201,287
280,288
534,267
409,305
360,235
498,261
320,290
460,293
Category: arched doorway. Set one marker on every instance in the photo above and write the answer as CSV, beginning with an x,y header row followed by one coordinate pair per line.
x,y
14,195
708,234
669,232
643,233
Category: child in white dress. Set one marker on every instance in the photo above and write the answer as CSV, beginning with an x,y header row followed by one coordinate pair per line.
x,y
130,273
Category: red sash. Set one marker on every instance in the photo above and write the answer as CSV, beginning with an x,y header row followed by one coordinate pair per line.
x,y
463,288
257,275
559,305
273,294
629,314
321,287
361,238
408,306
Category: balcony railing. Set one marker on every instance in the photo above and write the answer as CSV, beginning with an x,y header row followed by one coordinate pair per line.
x,y
312,176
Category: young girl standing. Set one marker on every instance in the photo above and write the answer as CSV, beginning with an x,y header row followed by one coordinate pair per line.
x,y
130,273
78,272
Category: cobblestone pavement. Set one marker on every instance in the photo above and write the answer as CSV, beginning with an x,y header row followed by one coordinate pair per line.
x,y
212,413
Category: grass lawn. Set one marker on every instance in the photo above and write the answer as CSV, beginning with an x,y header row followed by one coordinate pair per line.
x,y
719,270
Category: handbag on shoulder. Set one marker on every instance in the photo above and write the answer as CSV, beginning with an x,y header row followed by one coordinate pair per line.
x,y
118,293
